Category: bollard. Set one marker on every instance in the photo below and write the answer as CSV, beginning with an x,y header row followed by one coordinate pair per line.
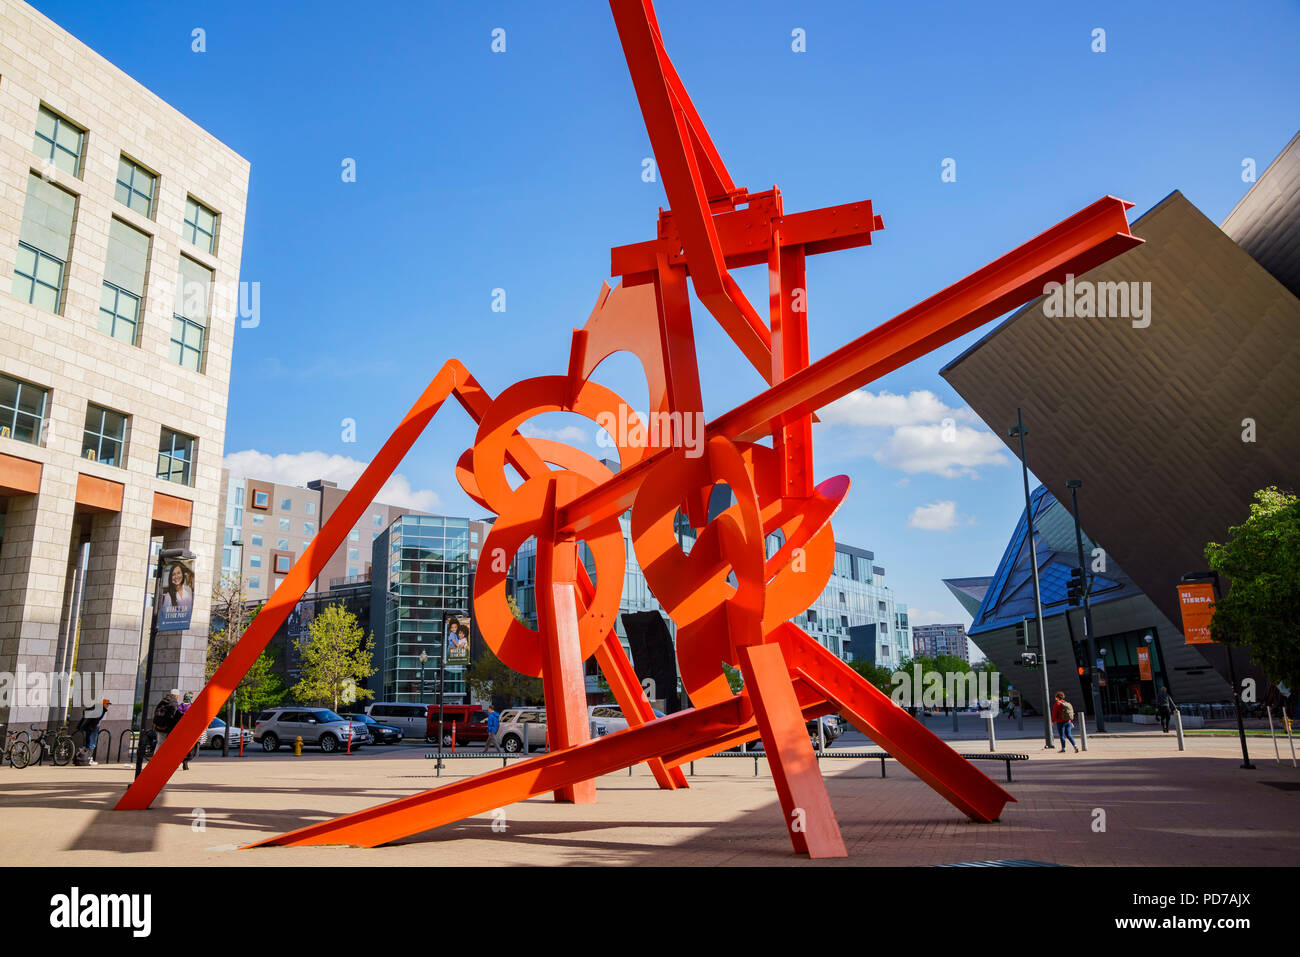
x,y
993,741
241,742
954,719
1286,723
297,746
349,751
453,737
1277,755
1178,722
1083,729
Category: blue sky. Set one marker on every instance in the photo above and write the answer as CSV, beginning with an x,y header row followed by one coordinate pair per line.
x,y
518,170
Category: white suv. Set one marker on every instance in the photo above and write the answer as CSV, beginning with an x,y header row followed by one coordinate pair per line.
x,y
529,724
318,726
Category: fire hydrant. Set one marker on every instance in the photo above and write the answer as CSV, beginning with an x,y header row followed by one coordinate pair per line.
x,y
297,746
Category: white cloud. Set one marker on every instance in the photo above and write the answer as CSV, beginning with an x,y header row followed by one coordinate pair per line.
x,y
931,617
866,409
568,433
299,468
935,517
950,451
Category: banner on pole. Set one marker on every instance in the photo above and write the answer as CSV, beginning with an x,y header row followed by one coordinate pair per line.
x,y
176,599
1196,602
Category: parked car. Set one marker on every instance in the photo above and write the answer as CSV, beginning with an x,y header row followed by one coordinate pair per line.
x,y
376,733
522,729
609,718
319,727
467,721
217,735
406,717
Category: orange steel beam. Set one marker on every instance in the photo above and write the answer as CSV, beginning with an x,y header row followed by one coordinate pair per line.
x,y
689,166
809,817
1075,245
519,781
453,379
912,744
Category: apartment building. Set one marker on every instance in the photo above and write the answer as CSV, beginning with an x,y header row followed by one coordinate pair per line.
x,y
935,640
269,525
121,224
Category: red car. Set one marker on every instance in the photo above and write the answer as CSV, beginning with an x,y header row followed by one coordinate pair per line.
x,y
469,721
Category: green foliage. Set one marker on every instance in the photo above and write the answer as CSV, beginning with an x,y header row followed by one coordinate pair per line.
x,y
489,677
878,676
1261,560
261,688
734,678
336,656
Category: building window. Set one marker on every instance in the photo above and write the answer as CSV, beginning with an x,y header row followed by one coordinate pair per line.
x,y
354,555
279,582
135,187
119,313
309,508
176,457
379,521
259,521
282,563
58,141
282,543
22,410
309,528
254,561
190,314
286,505
38,278
284,524
256,540
261,499
255,582
104,439
200,225
355,535
353,572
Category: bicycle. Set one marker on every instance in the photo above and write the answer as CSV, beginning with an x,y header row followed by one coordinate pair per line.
x,y
55,742
16,751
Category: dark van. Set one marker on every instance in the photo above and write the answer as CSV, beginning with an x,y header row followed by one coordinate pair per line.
x,y
469,721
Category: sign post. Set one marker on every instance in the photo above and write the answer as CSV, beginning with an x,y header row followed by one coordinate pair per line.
x,y
1197,596
176,565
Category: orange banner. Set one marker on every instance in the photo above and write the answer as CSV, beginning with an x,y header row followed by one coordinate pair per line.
x,y
1196,601
1144,664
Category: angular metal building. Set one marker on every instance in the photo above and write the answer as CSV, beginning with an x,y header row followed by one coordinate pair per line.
x,y
1166,380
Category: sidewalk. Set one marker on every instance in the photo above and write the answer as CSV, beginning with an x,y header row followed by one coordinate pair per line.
x,y
1158,806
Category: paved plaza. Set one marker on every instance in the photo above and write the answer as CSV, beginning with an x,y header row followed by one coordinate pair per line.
x,y
1160,806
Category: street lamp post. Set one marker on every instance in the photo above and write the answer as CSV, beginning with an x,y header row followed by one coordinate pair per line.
x,y
166,555
1090,642
230,702
1232,669
1019,430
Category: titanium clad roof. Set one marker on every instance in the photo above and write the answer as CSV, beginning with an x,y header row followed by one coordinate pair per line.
x,y
1151,419
1266,223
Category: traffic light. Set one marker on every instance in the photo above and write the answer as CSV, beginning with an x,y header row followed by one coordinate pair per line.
x,y
1029,659
1076,586
1020,633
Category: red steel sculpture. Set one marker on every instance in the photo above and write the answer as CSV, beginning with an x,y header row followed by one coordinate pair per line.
x,y
731,602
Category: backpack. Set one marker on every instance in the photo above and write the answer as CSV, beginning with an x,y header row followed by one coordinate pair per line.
x,y
1067,711
164,716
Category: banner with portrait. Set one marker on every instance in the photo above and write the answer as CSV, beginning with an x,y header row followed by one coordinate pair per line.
x,y
175,595
456,639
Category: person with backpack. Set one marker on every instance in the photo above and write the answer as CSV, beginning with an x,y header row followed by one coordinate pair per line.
x,y
166,715
89,726
1063,717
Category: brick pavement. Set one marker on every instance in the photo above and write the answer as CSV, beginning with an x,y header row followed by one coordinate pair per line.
x,y
1197,808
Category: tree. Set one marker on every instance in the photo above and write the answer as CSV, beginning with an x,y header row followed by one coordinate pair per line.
x,y
336,656
259,688
489,677
878,676
1262,561
734,678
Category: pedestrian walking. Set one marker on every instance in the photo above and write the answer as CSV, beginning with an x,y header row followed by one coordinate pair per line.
x,y
165,715
180,712
1165,707
90,727
493,726
1063,716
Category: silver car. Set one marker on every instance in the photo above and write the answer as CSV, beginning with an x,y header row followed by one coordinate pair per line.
x,y
316,726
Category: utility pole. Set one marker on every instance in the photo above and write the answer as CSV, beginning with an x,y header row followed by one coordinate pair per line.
x,y
1090,642
1232,669
1019,430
